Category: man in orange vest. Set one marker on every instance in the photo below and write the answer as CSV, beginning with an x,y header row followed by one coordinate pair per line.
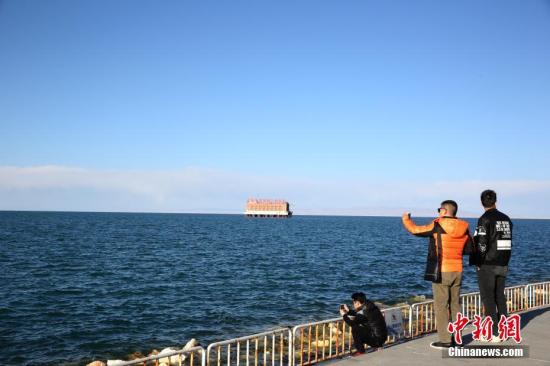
x,y
448,239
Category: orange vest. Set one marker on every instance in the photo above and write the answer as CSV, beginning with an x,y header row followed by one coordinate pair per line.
x,y
454,235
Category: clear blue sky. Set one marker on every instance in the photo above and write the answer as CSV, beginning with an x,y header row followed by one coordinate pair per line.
x,y
389,91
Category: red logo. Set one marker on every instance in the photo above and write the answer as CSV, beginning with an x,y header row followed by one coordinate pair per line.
x,y
457,326
483,328
510,327
507,327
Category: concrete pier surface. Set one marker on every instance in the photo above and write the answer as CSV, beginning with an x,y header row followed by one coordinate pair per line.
x,y
535,332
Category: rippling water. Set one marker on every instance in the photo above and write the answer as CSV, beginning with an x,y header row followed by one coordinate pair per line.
x,y
84,286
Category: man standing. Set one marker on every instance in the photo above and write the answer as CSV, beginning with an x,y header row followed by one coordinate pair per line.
x,y
493,239
448,238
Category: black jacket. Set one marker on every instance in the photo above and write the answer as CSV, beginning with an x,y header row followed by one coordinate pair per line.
x,y
493,238
368,316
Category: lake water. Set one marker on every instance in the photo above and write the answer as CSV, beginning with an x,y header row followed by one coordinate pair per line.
x,y
83,286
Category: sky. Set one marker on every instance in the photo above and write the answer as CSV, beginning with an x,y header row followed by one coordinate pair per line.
x,y
340,107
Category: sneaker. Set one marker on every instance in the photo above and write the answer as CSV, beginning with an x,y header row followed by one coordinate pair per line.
x,y
440,345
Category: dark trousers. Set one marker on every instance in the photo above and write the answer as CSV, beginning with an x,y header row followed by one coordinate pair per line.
x,y
362,335
491,281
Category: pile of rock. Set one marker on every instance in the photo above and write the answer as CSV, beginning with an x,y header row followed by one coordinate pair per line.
x,y
168,360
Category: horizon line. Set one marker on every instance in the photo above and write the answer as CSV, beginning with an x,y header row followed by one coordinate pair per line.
x,y
239,214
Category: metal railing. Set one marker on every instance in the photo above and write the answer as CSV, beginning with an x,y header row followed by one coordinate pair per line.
x,y
272,348
422,318
404,332
518,298
320,341
323,340
471,304
311,343
191,357
515,298
537,294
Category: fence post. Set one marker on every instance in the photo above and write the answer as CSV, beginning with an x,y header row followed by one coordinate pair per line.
x,y
208,354
526,294
290,347
411,321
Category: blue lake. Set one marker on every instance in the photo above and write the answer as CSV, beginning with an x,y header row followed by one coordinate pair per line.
x,y
83,286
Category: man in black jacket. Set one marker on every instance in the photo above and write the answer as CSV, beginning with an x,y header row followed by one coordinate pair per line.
x,y
366,321
493,238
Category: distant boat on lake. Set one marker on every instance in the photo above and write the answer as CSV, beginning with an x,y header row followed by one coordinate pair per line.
x,y
267,208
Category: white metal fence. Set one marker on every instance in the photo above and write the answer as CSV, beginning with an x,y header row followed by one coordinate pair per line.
x,y
272,348
319,341
516,298
537,294
402,315
311,343
471,304
422,319
191,357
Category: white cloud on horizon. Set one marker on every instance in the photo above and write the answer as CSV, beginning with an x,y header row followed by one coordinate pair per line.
x,y
196,189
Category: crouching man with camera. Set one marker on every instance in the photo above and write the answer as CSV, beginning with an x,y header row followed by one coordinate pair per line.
x,y
367,323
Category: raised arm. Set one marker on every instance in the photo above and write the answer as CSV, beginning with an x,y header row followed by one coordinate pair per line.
x,y
417,230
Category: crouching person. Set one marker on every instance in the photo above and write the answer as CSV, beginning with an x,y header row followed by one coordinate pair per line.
x,y
367,323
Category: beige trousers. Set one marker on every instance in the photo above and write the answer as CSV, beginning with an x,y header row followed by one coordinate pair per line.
x,y
446,294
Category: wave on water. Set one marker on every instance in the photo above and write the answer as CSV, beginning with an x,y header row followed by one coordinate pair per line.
x,y
85,286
